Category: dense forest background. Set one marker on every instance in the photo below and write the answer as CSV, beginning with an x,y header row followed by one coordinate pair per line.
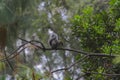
x,y
89,30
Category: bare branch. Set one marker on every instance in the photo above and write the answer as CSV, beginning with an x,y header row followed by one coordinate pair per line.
x,y
80,60
31,42
87,53
14,52
105,74
8,62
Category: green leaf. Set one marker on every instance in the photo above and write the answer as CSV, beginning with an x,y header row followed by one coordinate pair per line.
x,y
117,60
112,2
88,10
117,27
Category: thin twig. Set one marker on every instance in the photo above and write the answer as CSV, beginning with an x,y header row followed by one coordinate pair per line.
x,y
106,74
31,42
80,60
17,53
14,52
8,62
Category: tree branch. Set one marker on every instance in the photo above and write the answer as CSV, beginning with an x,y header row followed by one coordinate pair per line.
x,y
43,48
84,53
89,73
105,74
80,60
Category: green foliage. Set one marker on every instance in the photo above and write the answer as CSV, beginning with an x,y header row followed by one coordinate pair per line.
x,y
88,11
117,28
89,28
67,78
94,30
27,73
95,27
117,60
98,32
6,16
2,66
3,77
114,2
114,9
